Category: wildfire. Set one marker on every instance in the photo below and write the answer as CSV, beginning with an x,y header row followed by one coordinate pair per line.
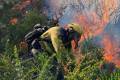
x,y
111,51
108,57
96,27
108,48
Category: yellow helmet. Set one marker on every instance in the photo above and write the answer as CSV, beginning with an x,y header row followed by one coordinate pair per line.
x,y
76,27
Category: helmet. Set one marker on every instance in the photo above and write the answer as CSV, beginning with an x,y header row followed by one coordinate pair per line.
x,y
75,27
37,26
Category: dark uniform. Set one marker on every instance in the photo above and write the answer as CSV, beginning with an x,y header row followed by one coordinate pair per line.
x,y
32,38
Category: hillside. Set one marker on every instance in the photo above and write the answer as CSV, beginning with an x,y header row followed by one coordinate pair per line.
x,y
98,54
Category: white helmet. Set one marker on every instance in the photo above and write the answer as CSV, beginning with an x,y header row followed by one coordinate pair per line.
x,y
37,26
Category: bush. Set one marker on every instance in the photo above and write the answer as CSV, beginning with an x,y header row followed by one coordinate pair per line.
x,y
42,66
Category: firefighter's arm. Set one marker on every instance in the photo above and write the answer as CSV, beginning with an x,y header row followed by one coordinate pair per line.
x,y
57,43
45,35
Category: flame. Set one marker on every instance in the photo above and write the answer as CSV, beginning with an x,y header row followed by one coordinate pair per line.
x,y
94,23
96,27
108,48
111,51
13,21
98,23
108,57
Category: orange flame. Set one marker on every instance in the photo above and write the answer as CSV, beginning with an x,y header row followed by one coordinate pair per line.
x,y
108,48
13,21
111,51
108,57
97,26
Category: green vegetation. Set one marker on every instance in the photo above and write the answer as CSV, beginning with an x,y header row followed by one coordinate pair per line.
x,y
12,67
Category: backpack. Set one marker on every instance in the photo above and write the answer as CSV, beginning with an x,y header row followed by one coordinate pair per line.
x,y
30,37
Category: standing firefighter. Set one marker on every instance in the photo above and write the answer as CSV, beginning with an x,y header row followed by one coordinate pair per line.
x,y
61,37
32,38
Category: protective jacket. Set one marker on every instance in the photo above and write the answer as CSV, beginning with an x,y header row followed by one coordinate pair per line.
x,y
60,36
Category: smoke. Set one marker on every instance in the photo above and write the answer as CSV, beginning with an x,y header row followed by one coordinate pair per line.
x,y
99,18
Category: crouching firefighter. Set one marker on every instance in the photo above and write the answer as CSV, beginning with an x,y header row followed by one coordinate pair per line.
x,y
32,38
61,40
61,37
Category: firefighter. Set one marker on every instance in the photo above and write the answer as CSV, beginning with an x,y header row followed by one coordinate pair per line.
x,y
61,37
32,38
